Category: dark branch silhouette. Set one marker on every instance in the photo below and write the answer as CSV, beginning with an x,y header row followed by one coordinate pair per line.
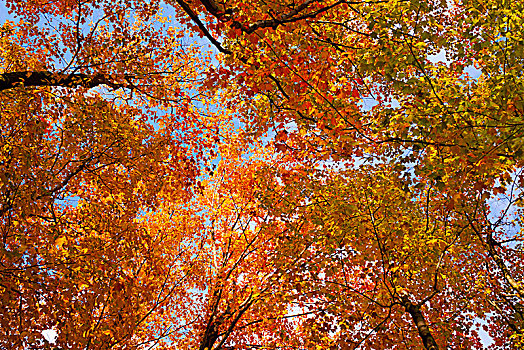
x,y
194,17
46,78
292,16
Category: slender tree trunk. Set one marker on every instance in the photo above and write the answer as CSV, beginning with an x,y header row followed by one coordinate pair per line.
x,y
420,322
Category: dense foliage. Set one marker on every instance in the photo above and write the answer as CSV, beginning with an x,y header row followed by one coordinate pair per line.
x,y
255,174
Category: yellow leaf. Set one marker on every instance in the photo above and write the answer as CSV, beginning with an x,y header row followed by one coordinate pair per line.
x,y
60,242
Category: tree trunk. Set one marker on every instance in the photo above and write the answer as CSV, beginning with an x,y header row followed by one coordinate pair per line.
x,y
420,322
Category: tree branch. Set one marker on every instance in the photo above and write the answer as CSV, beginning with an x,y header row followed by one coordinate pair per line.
x,y
187,9
291,16
491,246
46,78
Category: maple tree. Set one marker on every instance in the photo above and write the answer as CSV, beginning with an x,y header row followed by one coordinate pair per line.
x,y
83,162
328,180
304,71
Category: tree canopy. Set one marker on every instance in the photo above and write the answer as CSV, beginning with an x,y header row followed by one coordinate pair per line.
x,y
298,174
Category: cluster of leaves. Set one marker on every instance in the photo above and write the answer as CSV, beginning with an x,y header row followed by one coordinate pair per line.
x,y
340,175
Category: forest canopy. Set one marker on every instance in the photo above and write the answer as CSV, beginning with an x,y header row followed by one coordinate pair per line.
x,y
298,174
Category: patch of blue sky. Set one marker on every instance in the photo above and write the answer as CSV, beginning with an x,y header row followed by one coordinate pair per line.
x,y
50,335
5,15
505,215
485,338
441,57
